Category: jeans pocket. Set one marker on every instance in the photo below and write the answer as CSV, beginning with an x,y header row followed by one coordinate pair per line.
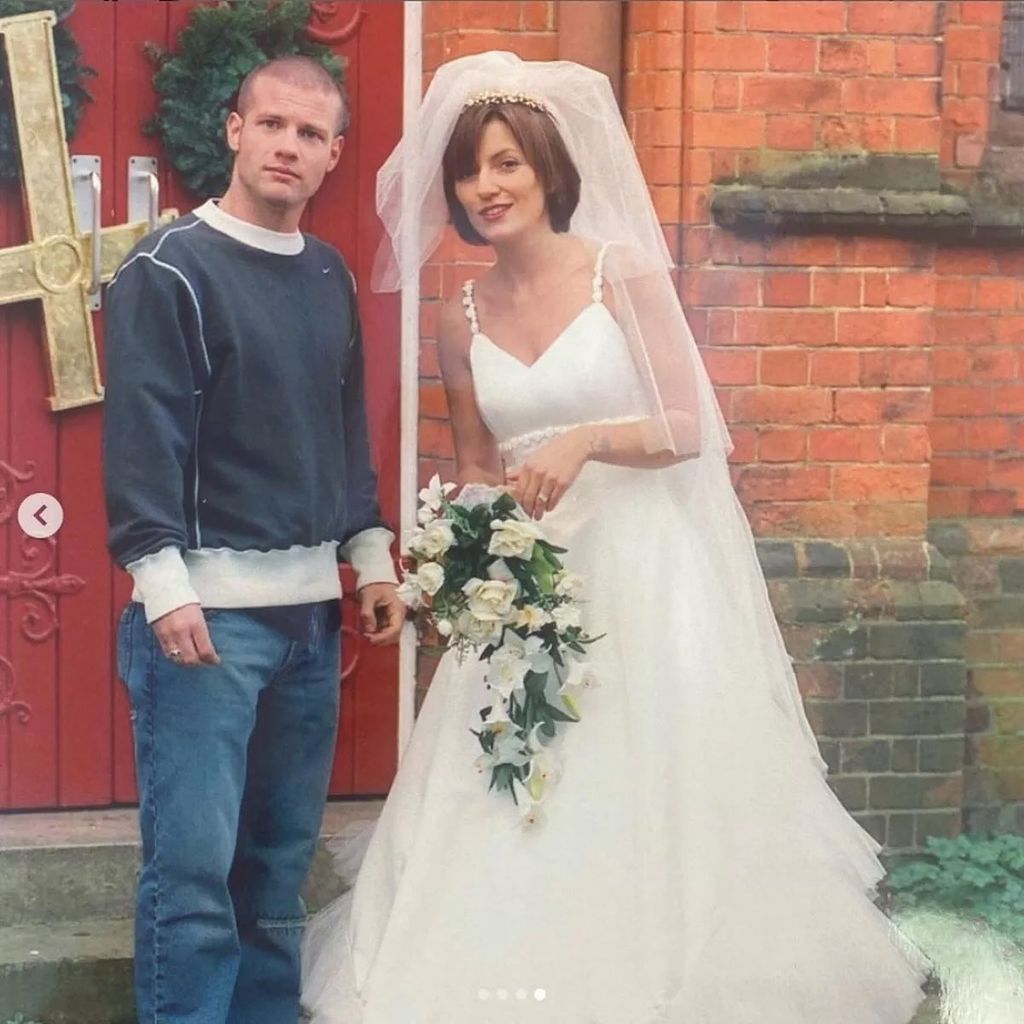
x,y
124,641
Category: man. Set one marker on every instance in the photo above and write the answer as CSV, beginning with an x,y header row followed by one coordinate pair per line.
x,y
238,474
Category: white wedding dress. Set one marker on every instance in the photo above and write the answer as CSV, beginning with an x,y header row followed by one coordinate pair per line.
x,y
694,867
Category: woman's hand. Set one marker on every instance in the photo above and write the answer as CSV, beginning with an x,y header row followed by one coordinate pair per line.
x,y
542,480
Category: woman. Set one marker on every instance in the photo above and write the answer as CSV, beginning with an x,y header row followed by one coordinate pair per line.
x,y
694,866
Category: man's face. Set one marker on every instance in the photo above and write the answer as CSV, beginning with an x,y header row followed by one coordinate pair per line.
x,y
286,141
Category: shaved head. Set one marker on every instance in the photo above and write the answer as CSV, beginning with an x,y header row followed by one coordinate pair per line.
x,y
303,72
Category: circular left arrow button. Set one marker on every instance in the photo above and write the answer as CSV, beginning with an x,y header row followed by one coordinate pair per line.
x,y
40,515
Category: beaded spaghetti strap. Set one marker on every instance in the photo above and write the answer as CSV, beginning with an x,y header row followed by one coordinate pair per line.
x,y
597,293
469,306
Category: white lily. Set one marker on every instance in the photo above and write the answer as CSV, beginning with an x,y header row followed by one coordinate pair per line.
x,y
567,616
532,618
531,814
568,584
509,749
579,677
433,495
507,670
537,654
497,718
546,766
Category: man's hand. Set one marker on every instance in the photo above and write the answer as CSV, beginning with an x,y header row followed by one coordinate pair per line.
x,y
381,613
184,637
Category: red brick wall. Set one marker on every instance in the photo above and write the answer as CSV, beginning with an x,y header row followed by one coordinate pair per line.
x,y
834,354
820,346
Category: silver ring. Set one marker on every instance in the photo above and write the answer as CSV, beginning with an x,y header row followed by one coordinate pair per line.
x,y
174,654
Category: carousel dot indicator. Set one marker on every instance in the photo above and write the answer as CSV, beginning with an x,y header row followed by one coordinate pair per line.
x,y
521,993
483,995
503,993
540,995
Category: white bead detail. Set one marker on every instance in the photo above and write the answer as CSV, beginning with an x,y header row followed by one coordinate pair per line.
x,y
469,305
515,449
598,293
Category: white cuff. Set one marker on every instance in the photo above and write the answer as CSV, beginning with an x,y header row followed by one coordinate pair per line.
x,y
369,553
162,583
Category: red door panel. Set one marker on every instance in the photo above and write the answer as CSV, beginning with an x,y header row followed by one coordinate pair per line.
x,y
59,599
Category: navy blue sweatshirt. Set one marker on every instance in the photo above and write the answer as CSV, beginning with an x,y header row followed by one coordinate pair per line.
x,y
236,457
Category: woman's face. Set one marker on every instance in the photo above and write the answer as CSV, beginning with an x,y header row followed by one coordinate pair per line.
x,y
505,196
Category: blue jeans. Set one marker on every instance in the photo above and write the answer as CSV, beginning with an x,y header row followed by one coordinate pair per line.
x,y
233,763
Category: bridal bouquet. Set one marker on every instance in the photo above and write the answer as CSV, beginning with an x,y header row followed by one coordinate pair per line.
x,y
483,576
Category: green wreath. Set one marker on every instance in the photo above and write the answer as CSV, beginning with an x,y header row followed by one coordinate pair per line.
x,y
218,47
71,73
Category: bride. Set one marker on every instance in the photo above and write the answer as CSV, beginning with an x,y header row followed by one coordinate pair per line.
x,y
693,866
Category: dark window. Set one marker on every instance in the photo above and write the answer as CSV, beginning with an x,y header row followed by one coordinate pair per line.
x,y
1013,56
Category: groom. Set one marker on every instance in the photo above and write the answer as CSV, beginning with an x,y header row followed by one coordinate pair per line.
x,y
238,474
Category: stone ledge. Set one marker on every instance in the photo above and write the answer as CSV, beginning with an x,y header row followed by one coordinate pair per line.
x,y
757,209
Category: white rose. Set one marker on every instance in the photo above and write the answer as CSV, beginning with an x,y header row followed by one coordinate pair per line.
x,y
444,627
478,631
532,618
410,593
433,540
430,577
568,584
566,616
513,538
491,599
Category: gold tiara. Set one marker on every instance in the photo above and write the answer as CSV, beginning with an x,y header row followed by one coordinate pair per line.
x,y
500,96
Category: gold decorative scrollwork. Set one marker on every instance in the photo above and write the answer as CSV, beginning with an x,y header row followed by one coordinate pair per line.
x,y
325,13
40,588
8,703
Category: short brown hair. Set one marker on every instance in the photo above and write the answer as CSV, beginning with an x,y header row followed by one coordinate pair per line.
x,y
542,144
296,69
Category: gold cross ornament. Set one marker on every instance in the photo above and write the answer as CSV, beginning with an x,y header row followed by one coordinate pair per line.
x,y
55,266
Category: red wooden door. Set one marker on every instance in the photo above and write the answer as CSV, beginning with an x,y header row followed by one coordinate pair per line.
x,y
65,739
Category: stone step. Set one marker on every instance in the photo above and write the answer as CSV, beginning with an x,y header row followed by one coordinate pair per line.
x,y
67,973
82,865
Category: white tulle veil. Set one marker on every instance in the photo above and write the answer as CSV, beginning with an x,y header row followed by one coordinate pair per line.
x,y
615,207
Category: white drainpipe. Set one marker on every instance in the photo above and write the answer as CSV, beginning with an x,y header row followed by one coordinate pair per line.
x,y
410,369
